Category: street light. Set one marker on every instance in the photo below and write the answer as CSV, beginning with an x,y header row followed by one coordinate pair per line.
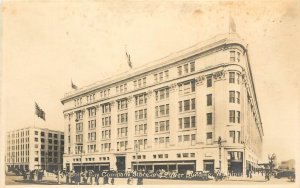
x,y
220,145
46,165
137,149
81,152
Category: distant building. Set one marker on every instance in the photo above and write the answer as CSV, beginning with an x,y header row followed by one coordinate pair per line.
x,y
287,165
34,148
170,114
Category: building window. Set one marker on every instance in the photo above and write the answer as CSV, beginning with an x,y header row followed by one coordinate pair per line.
x,y
141,114
232,136
238,97
140,99
91,148
162,94
192,66
231,116
106,108
121,88
187,122
185,155
232,96
122,104
141,143
179,70
92,136
187,87
238,136
79,138
106,134
92,111
209,138
79,127
139,83
123,118
122,146
92,124
209,118
209,81
232,56
122,132
161,76
238,116
162,110
162,141
209,99
231,77
188,105
162,126
140,129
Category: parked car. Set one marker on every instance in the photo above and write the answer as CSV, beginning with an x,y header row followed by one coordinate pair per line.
x,y
285,174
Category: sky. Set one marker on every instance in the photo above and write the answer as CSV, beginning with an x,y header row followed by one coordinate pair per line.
x,y
46,44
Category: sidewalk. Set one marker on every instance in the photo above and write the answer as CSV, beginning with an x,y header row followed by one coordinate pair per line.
x,y
255,178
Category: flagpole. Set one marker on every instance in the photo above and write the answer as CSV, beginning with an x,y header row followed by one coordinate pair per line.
x,y
34,114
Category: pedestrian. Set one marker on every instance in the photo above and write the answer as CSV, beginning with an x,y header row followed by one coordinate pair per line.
x,y
112,181
58,176
129,180
250,174
97,176
140,180
67,177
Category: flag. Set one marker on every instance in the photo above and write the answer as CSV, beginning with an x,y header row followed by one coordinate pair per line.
x,y
232,26
128,60
73,85
39,112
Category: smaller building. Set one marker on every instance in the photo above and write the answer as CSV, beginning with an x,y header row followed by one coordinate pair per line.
x,y
34,148
287,165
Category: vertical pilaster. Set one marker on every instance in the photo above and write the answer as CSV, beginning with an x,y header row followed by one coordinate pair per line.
x,y
173,107
150,118
98,128
131,122
114,122
200,111
85,130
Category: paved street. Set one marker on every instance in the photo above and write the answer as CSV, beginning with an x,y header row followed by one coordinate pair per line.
x,y
17,180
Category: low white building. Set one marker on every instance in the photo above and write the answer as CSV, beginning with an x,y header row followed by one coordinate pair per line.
x,y
170,114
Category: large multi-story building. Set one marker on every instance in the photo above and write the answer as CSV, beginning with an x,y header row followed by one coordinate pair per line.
x,y
34,148
193,110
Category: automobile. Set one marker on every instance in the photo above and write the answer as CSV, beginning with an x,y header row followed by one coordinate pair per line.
x,y
285,174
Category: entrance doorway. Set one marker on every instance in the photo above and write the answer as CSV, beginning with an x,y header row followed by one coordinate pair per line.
x,y
209,165
120,163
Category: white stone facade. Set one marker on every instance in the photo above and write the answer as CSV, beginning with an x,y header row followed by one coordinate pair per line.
x,y
170,114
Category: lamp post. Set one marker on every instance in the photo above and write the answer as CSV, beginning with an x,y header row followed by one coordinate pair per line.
x,y
82,152
220,147
137,149
46,161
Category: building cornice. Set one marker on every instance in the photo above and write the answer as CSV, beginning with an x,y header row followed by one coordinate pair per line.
x,y
186,54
